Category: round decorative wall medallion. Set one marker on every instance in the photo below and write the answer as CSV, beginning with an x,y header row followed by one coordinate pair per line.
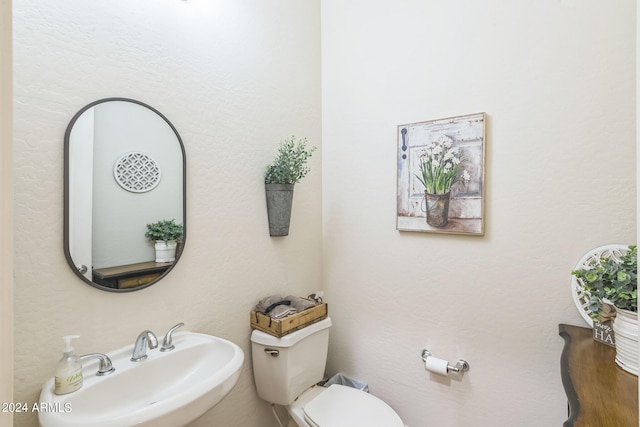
x,y
580,296
137,172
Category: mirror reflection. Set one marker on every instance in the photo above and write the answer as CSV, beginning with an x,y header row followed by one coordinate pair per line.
x,y
124,172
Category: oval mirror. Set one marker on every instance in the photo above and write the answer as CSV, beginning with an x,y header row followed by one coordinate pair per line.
x,y
125,168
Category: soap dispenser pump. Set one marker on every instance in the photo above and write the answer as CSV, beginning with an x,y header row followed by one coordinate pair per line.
x,y
68,376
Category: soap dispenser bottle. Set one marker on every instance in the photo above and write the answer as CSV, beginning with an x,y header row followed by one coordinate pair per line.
x,y
68,376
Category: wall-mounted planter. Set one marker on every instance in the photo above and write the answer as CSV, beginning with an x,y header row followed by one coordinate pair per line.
x,y
279,202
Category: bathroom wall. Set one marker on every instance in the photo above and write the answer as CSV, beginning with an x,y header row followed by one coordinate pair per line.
x,y
557,81
6,213
235,78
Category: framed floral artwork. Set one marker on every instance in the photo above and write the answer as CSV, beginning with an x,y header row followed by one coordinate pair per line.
x,y
441,166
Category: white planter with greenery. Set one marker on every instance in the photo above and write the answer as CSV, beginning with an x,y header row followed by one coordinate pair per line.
x,y
288,168
613,280
165,250
625,328
166,234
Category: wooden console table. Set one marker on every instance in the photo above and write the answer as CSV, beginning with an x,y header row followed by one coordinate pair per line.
x,y
128,276
600,393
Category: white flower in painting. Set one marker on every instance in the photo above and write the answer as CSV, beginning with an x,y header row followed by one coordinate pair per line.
x,y
440,166
445,140
448,155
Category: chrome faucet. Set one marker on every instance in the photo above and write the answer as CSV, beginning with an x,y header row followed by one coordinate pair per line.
x,y
167,343
140,347
104,368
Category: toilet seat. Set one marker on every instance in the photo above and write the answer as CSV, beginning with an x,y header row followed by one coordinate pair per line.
x,y
342,406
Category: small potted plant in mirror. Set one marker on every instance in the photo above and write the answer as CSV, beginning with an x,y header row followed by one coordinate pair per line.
x,y
613,280
166,234
288,168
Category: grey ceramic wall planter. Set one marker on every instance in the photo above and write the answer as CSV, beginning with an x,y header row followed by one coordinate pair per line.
x,y
279,201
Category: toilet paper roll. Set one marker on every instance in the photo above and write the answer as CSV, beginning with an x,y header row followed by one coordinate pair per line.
x,y
439,366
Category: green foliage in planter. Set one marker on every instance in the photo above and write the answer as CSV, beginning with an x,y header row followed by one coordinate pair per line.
x,y
613,280
290,164
164,230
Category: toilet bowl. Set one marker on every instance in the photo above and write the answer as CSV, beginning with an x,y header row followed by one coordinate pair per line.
x,y
286,370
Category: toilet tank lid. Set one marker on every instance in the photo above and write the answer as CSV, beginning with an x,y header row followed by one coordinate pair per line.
x,y
263,338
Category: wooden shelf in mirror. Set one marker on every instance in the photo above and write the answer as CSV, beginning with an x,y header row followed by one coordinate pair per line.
x,y
132,275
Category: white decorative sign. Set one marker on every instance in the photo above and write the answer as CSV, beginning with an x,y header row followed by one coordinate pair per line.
x,y
137,172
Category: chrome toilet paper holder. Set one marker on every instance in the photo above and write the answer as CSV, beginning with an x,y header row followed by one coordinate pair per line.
x,y
460,366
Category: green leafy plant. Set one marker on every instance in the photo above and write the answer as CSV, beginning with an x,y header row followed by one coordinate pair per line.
x,y
612,280
440,166
165,230
290,164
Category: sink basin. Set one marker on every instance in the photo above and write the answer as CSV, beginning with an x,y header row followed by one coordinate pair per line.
x,y
168,389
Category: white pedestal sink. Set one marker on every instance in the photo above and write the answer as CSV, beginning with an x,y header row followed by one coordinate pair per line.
x,y
168,389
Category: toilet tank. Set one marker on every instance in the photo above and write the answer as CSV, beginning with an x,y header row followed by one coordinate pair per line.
x,y
285,367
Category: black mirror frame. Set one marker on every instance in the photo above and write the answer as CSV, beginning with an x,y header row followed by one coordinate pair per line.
x,y
67,252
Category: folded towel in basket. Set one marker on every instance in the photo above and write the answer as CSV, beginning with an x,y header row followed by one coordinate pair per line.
x,y
266,302
301,304
275,307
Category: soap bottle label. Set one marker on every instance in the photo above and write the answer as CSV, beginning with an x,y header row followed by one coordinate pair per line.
x,y
64,385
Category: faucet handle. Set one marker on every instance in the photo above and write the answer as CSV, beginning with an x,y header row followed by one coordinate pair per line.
x,y
167,343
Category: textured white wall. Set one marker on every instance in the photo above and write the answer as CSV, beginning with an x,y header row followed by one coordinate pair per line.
x,y
6,213
557,81
235,78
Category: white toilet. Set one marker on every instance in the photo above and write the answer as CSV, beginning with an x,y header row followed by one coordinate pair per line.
x,y
286,370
